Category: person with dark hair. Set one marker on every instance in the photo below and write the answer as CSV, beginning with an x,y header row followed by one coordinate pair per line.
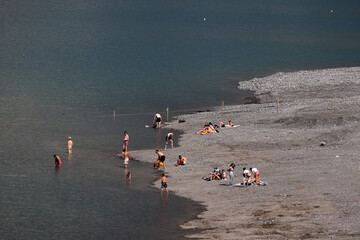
x,y
161,159
256,173
57,160
125,140
180,161
231,172
163,184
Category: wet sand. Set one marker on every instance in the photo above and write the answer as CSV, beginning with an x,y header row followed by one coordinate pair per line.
x,y
312,192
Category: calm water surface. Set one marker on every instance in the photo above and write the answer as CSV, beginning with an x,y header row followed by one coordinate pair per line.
x,y
65,66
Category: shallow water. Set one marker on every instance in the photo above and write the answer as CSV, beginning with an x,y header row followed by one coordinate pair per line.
x,y
88,197
66,66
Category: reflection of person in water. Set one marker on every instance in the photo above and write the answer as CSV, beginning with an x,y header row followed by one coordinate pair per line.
x,y
128,177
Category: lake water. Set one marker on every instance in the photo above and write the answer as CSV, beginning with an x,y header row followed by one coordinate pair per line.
x,y
65,67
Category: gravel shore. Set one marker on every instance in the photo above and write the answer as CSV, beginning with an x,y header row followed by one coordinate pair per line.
x,y
313,191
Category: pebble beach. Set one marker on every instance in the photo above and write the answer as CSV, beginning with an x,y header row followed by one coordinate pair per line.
x,y
302,132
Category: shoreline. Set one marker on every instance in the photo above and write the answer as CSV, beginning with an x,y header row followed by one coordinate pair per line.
x,y
303,198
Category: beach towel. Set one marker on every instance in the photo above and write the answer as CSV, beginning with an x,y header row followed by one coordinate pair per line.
x,y
261,183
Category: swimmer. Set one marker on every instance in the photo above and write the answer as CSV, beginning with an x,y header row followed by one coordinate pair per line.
x,y
163,184
57,161
169,137
125,140
70,145
126,158
157,120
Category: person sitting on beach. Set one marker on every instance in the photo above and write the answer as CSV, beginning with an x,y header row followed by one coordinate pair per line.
x,y
207,129
247,176
213,125
57,160
230,124
223,174
161,158
169,137
256,174
215,174
125,140
157,164
157,120
70,145
222,124
180,161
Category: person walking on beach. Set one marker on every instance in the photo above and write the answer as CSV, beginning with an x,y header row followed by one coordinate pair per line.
x,y
169,137
157,120
70,145
231,172
163,184
125,140
161,159
126,158
57,160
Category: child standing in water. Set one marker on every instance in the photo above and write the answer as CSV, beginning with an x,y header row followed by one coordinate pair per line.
x,y
70,145
163,184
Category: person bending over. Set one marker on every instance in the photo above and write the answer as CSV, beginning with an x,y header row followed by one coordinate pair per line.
x,y
169,137
161,159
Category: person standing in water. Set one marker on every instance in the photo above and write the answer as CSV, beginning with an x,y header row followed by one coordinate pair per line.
x,y
157,120
57,160
169,137
125,140
126,158
70,145
163,184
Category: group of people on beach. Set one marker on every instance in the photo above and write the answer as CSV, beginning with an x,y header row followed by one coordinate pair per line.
x,y
211,128
251,176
